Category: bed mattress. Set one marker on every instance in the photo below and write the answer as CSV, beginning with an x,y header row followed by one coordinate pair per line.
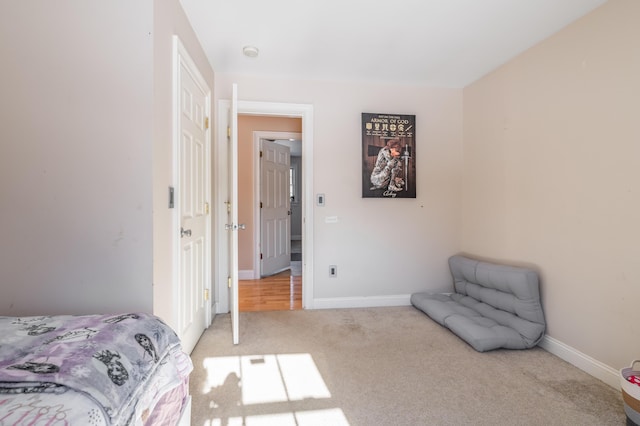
x,y
126,369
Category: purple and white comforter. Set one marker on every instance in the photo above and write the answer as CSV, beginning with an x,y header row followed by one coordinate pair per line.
x,y
110,360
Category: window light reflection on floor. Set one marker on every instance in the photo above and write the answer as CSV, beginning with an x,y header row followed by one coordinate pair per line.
x,y
333,417
270,379
261,380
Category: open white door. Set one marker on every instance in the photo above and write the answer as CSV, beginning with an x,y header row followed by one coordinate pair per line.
x,y
232,209
275,212
225,198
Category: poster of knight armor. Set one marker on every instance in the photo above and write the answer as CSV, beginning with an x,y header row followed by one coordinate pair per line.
x,y
388,156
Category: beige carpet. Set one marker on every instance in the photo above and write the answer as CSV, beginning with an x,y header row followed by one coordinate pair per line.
x,y
381,366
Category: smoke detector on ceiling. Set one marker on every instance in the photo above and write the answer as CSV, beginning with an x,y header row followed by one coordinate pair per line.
x,y
250,51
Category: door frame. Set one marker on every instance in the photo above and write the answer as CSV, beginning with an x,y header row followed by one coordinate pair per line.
x,y
181,57
273,109
257,136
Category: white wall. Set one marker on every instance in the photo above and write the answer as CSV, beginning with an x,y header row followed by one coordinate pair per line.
x,y
382,247
75,158
86,154
552,177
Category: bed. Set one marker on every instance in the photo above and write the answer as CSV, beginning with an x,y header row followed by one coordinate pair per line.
x,y
95,370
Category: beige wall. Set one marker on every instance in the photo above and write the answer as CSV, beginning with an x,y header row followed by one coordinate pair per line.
x,y
552,177
75,158
86,157
248,124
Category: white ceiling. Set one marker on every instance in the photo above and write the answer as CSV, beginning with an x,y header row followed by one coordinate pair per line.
x,y
448,43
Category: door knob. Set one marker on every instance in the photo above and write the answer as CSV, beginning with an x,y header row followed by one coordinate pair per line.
x,y
185,232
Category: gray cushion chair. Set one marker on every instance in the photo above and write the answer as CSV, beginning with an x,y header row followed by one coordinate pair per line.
x,y
493,306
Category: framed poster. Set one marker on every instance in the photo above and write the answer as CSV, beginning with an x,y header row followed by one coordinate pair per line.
x,y
388,156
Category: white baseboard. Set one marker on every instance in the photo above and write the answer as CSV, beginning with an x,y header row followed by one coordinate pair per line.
x,y
583,362
247,274
362,302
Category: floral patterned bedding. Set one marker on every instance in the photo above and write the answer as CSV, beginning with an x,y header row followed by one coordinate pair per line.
x,y
90,370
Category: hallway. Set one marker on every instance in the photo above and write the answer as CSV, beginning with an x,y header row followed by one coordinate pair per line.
x,y
279,292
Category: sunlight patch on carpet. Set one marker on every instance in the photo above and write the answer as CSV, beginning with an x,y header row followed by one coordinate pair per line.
x,y
333,417
268,379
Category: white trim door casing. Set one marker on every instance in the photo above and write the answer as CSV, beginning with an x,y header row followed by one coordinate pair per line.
x,y
303,111
192,177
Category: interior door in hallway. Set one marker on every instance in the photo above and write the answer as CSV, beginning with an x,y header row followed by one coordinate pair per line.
x,y
275,214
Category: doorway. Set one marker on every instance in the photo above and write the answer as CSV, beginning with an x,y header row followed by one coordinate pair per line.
x,y
274,280
295,194
304,112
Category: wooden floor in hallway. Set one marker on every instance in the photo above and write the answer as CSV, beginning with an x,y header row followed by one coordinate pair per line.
x,y
280,292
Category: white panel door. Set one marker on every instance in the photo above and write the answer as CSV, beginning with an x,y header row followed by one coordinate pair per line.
x,y
193,206
275,214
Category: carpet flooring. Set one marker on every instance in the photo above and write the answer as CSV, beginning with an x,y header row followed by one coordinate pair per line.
x,y
381,366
